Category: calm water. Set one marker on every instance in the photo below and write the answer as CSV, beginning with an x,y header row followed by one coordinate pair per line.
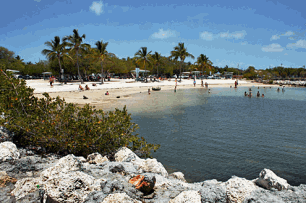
x,y
219,134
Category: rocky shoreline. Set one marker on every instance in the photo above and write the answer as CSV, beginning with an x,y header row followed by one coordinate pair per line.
x,y
28,177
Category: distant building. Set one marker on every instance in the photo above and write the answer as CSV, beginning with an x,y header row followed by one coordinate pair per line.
x,y
228,75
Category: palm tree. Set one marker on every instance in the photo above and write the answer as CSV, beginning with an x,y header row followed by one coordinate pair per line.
x,y
157,60
202,61
101,55
180,52
57,50
143,56
76,45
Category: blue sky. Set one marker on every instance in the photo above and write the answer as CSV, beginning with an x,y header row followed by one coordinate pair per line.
x,y
260,33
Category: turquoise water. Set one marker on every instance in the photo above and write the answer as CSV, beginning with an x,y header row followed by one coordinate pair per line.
x,y
223,133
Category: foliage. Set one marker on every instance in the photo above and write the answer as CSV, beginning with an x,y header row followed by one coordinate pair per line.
x,y
142,56
180,52
59,127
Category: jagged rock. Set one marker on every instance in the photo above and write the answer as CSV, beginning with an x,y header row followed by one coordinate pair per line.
x,y
33,197
151,166
124,154
212,191
71,186
268,180
119,197
187,197
25,186
5,179
238,188
65,164
8,151
143,183
96,158
94,197
178,176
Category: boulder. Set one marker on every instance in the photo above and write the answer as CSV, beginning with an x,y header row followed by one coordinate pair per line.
x,y
190,196
212,191
268,180
65,164
96,158
238,188
8,151
124,154
119,197
150,166
143,183
178,176
26,186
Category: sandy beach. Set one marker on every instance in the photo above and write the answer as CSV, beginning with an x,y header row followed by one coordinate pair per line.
x,y
122,88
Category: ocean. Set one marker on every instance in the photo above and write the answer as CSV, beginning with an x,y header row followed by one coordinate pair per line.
x,y
223,133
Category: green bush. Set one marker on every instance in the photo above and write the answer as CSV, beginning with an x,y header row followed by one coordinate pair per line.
x,y
64,128
270,81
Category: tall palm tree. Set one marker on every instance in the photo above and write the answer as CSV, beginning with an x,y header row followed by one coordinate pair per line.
x,y
157,60
57,50
76,45
101,54
202,61
143,56
180,52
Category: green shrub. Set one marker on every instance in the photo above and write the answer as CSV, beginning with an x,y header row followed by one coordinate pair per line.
x,y
64,128
270,81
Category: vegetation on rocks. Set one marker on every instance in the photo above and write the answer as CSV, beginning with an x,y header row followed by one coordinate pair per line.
x,y
52,125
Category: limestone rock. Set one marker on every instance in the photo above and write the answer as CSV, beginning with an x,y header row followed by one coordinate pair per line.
x,y
96,158
268,180
151,166
212,191
65,164
124,154
190,196
178,176
119,197
238,188
25,186
71,186
8,151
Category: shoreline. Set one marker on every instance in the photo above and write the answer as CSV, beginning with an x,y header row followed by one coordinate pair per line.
x,y
125,89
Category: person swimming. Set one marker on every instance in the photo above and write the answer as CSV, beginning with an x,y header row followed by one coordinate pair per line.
x,y
245,94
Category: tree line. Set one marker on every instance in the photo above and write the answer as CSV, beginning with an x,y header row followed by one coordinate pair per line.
x,y
75,57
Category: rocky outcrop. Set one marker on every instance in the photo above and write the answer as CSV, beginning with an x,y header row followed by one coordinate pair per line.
x,y
268,180
8,151
128,179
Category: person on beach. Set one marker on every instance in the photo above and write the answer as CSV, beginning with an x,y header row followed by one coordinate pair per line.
x,y
81,88
51,81
236,83
262,95
202,83
206,84
258,94
86,87
194,82
106,93
175,88
149,91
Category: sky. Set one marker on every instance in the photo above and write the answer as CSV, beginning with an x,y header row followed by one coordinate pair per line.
x,y
262,33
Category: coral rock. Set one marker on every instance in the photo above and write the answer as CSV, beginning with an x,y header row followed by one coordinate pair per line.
x,y
190,196
119,197
268,180
96,158
8,151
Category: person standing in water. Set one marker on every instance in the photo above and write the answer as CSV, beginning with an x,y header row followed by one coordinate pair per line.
x,y
258,94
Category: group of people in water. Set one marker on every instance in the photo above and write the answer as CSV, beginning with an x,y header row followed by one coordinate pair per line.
x,y
250,93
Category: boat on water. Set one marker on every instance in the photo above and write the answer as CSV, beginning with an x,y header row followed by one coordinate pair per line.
x,y
156,88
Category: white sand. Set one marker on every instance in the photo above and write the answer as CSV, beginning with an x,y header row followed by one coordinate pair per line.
x,y
124,88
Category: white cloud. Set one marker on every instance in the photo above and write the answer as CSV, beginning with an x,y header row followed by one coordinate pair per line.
x,y
163,34
207,36
274,37
37,0
273,48
288,33
299,44
125,8
97,7
236,35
